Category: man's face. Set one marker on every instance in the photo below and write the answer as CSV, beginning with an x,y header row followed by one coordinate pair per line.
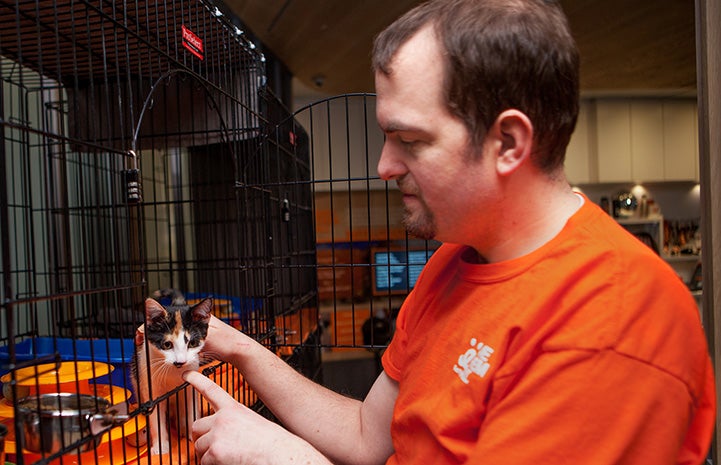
x,y
427,149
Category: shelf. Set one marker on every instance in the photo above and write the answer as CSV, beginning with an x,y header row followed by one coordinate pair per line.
x,y
648,220
681,258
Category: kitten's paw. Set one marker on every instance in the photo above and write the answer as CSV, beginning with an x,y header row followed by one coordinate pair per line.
x,y
159,449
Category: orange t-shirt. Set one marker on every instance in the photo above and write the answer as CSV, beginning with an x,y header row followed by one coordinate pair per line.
x,y
587,351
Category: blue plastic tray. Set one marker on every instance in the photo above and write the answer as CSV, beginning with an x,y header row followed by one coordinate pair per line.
x,y
117,352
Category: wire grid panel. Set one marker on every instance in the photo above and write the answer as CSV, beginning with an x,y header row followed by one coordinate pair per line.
x,y
366,263
139,150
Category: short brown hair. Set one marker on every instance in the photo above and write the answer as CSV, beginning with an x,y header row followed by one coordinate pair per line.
x,y
500,54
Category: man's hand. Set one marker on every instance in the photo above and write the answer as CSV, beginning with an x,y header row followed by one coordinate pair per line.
x,y
235,434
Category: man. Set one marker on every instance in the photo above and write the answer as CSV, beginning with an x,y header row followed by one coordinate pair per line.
x,y
523,342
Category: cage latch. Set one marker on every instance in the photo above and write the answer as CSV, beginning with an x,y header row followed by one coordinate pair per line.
x,y
285,210
133,187
114,416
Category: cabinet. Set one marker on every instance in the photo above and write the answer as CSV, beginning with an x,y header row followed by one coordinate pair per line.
x,y
581,162
680,140
647,151
613,127
646,140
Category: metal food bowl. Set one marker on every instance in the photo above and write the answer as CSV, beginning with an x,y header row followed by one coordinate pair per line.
x,y
53,422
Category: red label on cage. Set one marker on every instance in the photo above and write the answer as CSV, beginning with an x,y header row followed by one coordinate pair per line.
x,y
192,42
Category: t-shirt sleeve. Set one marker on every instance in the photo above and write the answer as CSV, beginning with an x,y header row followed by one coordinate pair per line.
x,y
393,358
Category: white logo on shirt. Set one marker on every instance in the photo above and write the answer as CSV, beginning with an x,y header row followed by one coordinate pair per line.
x,y
474,360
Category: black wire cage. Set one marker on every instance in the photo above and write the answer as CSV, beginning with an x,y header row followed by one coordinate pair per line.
x,y
141,149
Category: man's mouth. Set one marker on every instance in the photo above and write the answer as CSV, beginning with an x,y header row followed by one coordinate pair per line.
x,y
405,190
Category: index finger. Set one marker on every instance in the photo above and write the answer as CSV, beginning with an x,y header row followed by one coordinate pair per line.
x,y
213,393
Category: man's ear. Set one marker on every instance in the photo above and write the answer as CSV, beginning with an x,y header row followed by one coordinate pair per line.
x,y
515,131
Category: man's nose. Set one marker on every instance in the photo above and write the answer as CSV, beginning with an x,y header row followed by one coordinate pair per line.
x,y
390,166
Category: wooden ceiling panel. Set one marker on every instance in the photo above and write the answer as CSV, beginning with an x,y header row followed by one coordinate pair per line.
x,y
634,46
329,39
626,46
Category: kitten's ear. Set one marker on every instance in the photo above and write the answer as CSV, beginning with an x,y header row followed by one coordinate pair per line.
x,y
154,311
202,311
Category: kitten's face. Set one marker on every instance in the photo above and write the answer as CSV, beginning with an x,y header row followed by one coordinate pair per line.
x,y
178,331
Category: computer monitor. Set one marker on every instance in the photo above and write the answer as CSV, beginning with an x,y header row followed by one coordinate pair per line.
x,y
395,270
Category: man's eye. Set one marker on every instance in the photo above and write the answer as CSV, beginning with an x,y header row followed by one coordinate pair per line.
x,y
166,345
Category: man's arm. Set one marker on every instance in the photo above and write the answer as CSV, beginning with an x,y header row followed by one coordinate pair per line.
x,y
343,429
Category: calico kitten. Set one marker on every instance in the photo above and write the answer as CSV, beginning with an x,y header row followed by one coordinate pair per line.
x,y
172,343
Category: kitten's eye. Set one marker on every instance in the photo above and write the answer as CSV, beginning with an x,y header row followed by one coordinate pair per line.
x,y
166,345
194,343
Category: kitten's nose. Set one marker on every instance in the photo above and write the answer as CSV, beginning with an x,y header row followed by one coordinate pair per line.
x,y
178,364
